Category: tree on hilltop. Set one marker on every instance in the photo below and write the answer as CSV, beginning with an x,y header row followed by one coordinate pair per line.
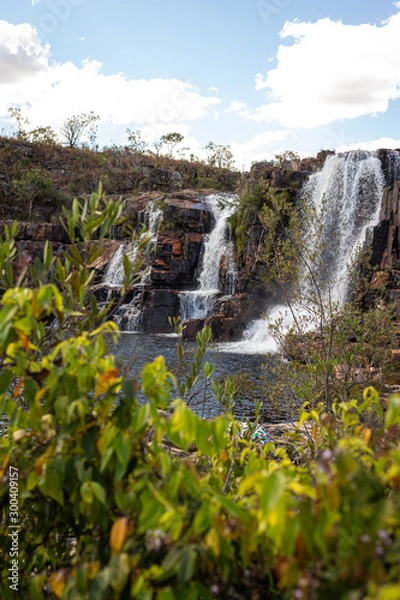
x,y
171,140
74,127
219,156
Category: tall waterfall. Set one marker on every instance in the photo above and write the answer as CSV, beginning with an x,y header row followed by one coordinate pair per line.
x,y
346,194
114,275
127,316
218,245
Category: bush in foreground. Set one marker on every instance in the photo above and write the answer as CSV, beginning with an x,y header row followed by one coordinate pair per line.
x,y
120,499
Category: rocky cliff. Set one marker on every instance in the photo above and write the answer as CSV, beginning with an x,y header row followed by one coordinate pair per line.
x,y
173,264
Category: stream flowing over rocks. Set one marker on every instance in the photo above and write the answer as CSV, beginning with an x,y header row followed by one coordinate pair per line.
x,y
191,268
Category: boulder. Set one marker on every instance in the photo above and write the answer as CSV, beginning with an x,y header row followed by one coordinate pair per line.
x,y
176,260
187,214
157,306
223,329
163,178
191,327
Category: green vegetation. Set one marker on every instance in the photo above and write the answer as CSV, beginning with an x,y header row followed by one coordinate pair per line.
x,y
267,207
76,172
34,186
120,498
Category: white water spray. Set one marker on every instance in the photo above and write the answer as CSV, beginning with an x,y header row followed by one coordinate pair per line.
x,y
127,317
115,275
346,194
218,245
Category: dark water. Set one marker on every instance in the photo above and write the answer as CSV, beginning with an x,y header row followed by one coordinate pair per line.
x,y
252,373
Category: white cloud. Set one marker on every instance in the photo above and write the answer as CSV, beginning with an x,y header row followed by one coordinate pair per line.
x,y
262,146
383,142
21,53
236,106
331,71
60,90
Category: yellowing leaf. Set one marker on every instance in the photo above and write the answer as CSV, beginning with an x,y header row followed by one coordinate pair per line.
x,y
366,435
38,465
57,583
40,393
5,463
105,381
93,569
24,340
315,433
212,541
100,444
19,387
333,495
118,534
273,517
223,455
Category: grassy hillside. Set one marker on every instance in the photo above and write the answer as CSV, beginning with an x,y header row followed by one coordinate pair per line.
x,y
37,179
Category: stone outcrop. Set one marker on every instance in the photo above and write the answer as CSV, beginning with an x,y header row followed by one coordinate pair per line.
x,y
386,236
178,250
158,305
39,232
176,260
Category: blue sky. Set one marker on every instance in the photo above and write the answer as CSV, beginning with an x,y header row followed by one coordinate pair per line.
x,y
261,75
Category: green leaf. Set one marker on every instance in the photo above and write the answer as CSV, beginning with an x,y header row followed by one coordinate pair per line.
x,y
166,594
203,518
98,491
53,480
392,416
208,370
5,380
87,492
272,491
119,571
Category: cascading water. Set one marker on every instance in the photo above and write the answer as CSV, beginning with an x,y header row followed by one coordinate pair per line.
x,y
127,316
114,275
346,194
218,245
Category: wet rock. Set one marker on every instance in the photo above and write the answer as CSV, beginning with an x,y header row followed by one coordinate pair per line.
x,y
223,329
176,260
187,214
191,327
158,305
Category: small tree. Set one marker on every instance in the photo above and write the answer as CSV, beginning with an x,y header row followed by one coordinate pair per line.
x,y
136,143
22,122
43,135
171,140
31,185
285,159
219,156
74,127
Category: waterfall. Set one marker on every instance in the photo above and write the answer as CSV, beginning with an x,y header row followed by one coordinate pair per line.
x,y
218,245
127,316
346,194
114,275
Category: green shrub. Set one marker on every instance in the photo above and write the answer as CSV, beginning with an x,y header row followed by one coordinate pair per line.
x,y
120,499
